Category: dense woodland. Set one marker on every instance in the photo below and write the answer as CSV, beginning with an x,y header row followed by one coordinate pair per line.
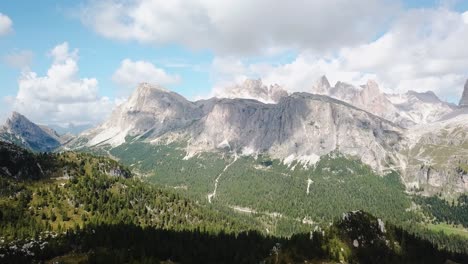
x,y
75,206
454,212
269,186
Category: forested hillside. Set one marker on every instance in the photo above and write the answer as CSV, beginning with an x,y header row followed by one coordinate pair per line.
x,y
86,209
318,194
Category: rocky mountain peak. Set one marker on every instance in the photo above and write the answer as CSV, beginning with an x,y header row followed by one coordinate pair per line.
x,y
428,96
464,98
18,121
322,86
20,130
147,87
148,96
16,118
324,81
254,89
371,87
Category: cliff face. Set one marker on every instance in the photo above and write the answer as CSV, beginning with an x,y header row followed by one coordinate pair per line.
x,y
437,155
301,126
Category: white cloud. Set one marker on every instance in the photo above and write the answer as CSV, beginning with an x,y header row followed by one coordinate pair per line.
x,y
20,59
5,24
423,50
465,17
61,97
131,73
241,26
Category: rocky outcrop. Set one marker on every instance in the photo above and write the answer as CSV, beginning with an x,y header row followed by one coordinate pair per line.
x,y
437,156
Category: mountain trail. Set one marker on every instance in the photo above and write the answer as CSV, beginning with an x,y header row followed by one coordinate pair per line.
x,y
213,194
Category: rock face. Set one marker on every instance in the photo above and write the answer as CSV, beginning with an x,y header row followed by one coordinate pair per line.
x,y
437,155
150,112
19,130
301,126
406,110
254,89
419,108
464,98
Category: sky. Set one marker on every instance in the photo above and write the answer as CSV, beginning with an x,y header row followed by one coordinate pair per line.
x,y
69,63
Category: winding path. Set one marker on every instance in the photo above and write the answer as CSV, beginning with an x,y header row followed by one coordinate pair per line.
x,y
213,194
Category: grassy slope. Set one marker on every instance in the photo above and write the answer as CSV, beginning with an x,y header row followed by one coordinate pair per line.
x,y
449,229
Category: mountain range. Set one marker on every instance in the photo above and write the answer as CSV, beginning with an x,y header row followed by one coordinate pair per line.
x,y
416,134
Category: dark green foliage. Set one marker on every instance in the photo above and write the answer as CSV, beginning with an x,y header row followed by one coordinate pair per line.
x,y
455,212
110,219
339,184
130,243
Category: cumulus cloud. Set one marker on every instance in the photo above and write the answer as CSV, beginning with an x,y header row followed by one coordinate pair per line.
x,y
423,50
465,17
131,73
61,97
6,25
241,26
19,59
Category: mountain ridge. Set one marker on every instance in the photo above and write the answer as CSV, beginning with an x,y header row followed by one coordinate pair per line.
x,y
18,129
250,126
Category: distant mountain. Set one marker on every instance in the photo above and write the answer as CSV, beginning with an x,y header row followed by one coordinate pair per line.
x,y
70,129
21,131
406,110
438,154
420,108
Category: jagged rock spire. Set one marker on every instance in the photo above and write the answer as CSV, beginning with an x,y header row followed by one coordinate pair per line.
x,y
464,98
322,86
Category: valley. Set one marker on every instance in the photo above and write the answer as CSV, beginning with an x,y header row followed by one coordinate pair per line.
x,y
100,208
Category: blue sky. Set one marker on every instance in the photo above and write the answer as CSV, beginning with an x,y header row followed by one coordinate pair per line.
x,y
196,48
